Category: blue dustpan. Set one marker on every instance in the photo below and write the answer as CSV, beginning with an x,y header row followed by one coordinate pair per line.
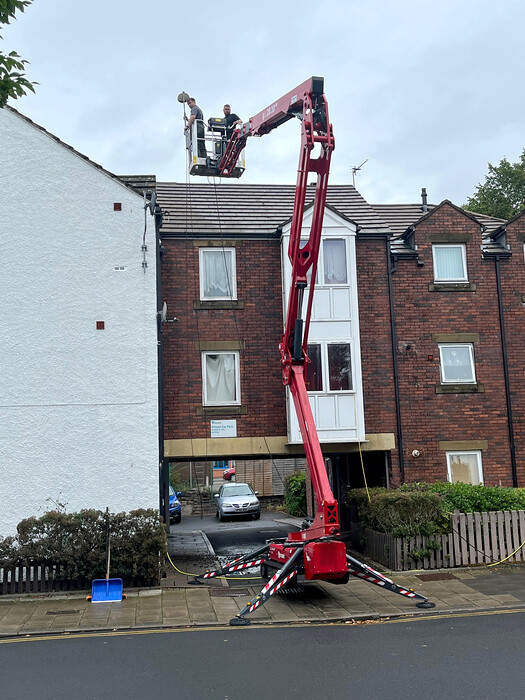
x,y
106,590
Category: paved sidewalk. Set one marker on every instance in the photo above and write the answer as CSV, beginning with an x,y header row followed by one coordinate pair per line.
x,y
179,604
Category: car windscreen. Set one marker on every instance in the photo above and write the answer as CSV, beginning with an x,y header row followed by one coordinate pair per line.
x,y
172,490
237,491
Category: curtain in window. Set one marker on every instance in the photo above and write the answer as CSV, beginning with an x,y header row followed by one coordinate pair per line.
x,y
217,273
457,365
334,252
449,263
220,379
464,468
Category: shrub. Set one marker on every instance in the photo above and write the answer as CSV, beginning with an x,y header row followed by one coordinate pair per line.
x,y
422,509
76,542
295,494
399,513
473,498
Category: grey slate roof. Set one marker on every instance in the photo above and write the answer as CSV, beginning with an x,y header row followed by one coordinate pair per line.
x,y
400,217
245,210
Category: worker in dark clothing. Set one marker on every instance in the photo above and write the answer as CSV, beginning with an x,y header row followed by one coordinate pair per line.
x,y
196,114
231,120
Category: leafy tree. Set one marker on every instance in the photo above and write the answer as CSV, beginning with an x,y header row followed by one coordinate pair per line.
x,y
13,82
503,192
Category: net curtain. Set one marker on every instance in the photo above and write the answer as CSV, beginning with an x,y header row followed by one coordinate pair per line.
x,y
220,379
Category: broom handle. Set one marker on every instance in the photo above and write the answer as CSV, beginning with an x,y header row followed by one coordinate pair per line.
x,y
108,546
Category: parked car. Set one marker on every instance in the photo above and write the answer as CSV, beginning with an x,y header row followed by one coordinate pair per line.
x,y
228,474
175,507
237,499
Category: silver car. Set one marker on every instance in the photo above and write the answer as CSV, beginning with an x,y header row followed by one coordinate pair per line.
x,y
237,499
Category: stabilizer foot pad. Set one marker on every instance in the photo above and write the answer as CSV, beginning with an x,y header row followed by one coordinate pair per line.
x,y
196,582
239,621
426,604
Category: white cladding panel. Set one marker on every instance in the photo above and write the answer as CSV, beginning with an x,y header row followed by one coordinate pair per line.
x,y
78,406
338,415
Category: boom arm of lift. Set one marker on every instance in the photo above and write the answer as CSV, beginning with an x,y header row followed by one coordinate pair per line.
x,y
308,103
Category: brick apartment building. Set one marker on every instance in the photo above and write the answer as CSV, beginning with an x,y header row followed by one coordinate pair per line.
x,y
416,335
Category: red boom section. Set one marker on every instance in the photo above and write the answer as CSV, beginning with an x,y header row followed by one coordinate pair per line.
x,y
308,103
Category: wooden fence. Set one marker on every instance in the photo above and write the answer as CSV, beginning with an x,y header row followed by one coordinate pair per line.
x,y
474,538
33,577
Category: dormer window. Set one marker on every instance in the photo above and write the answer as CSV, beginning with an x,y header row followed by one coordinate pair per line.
x,y
450,262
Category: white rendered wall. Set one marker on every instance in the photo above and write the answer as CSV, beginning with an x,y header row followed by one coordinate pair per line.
x,y
78,406
339,416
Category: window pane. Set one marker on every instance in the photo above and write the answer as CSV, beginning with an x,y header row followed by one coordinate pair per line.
x,y
334,253
464,468
339,367
221,386
314,372
457,363
217,272
449,263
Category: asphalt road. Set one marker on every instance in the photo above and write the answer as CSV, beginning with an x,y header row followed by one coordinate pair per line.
x,y
463,656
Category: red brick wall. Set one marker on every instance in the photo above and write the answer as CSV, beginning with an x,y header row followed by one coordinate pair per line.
x,y
259,325
376,339
428,417
513,287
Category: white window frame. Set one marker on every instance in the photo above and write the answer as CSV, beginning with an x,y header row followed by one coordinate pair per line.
x,y
449,346
325,370
456,453
237,400
441,246
232,282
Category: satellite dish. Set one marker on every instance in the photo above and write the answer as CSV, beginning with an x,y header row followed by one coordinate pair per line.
x,y
183,97
152,202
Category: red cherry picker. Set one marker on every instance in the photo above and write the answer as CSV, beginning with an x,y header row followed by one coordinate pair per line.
x,y
316,552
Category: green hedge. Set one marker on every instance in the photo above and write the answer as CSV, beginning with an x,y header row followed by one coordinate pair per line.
x,y
423,509
77,543
470,498
295,494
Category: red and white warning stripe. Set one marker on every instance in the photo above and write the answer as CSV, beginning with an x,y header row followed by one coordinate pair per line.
x,y
247,565
260,599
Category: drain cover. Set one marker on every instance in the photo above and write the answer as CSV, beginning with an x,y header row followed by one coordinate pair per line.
x,y
436,577
62,612
228,592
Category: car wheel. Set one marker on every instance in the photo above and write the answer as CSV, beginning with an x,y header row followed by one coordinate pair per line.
x,y
222,518
177,520
257,515
216,513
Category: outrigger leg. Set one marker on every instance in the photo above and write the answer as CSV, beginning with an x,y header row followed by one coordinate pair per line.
x,y
278,580
357,568
247,561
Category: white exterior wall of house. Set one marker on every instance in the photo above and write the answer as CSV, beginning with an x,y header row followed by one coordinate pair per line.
x,y
338,415
78,406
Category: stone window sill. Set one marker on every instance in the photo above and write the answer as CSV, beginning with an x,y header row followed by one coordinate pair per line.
x,y
224,304
460,388
221,410
452,287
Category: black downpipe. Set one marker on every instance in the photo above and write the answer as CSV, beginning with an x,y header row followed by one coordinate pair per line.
x,y
164,478
506,374
394,364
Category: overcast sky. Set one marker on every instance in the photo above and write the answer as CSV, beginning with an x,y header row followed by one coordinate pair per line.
x,y
427,93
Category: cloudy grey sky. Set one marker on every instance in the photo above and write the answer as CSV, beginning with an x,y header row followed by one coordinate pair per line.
x,y
427,92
